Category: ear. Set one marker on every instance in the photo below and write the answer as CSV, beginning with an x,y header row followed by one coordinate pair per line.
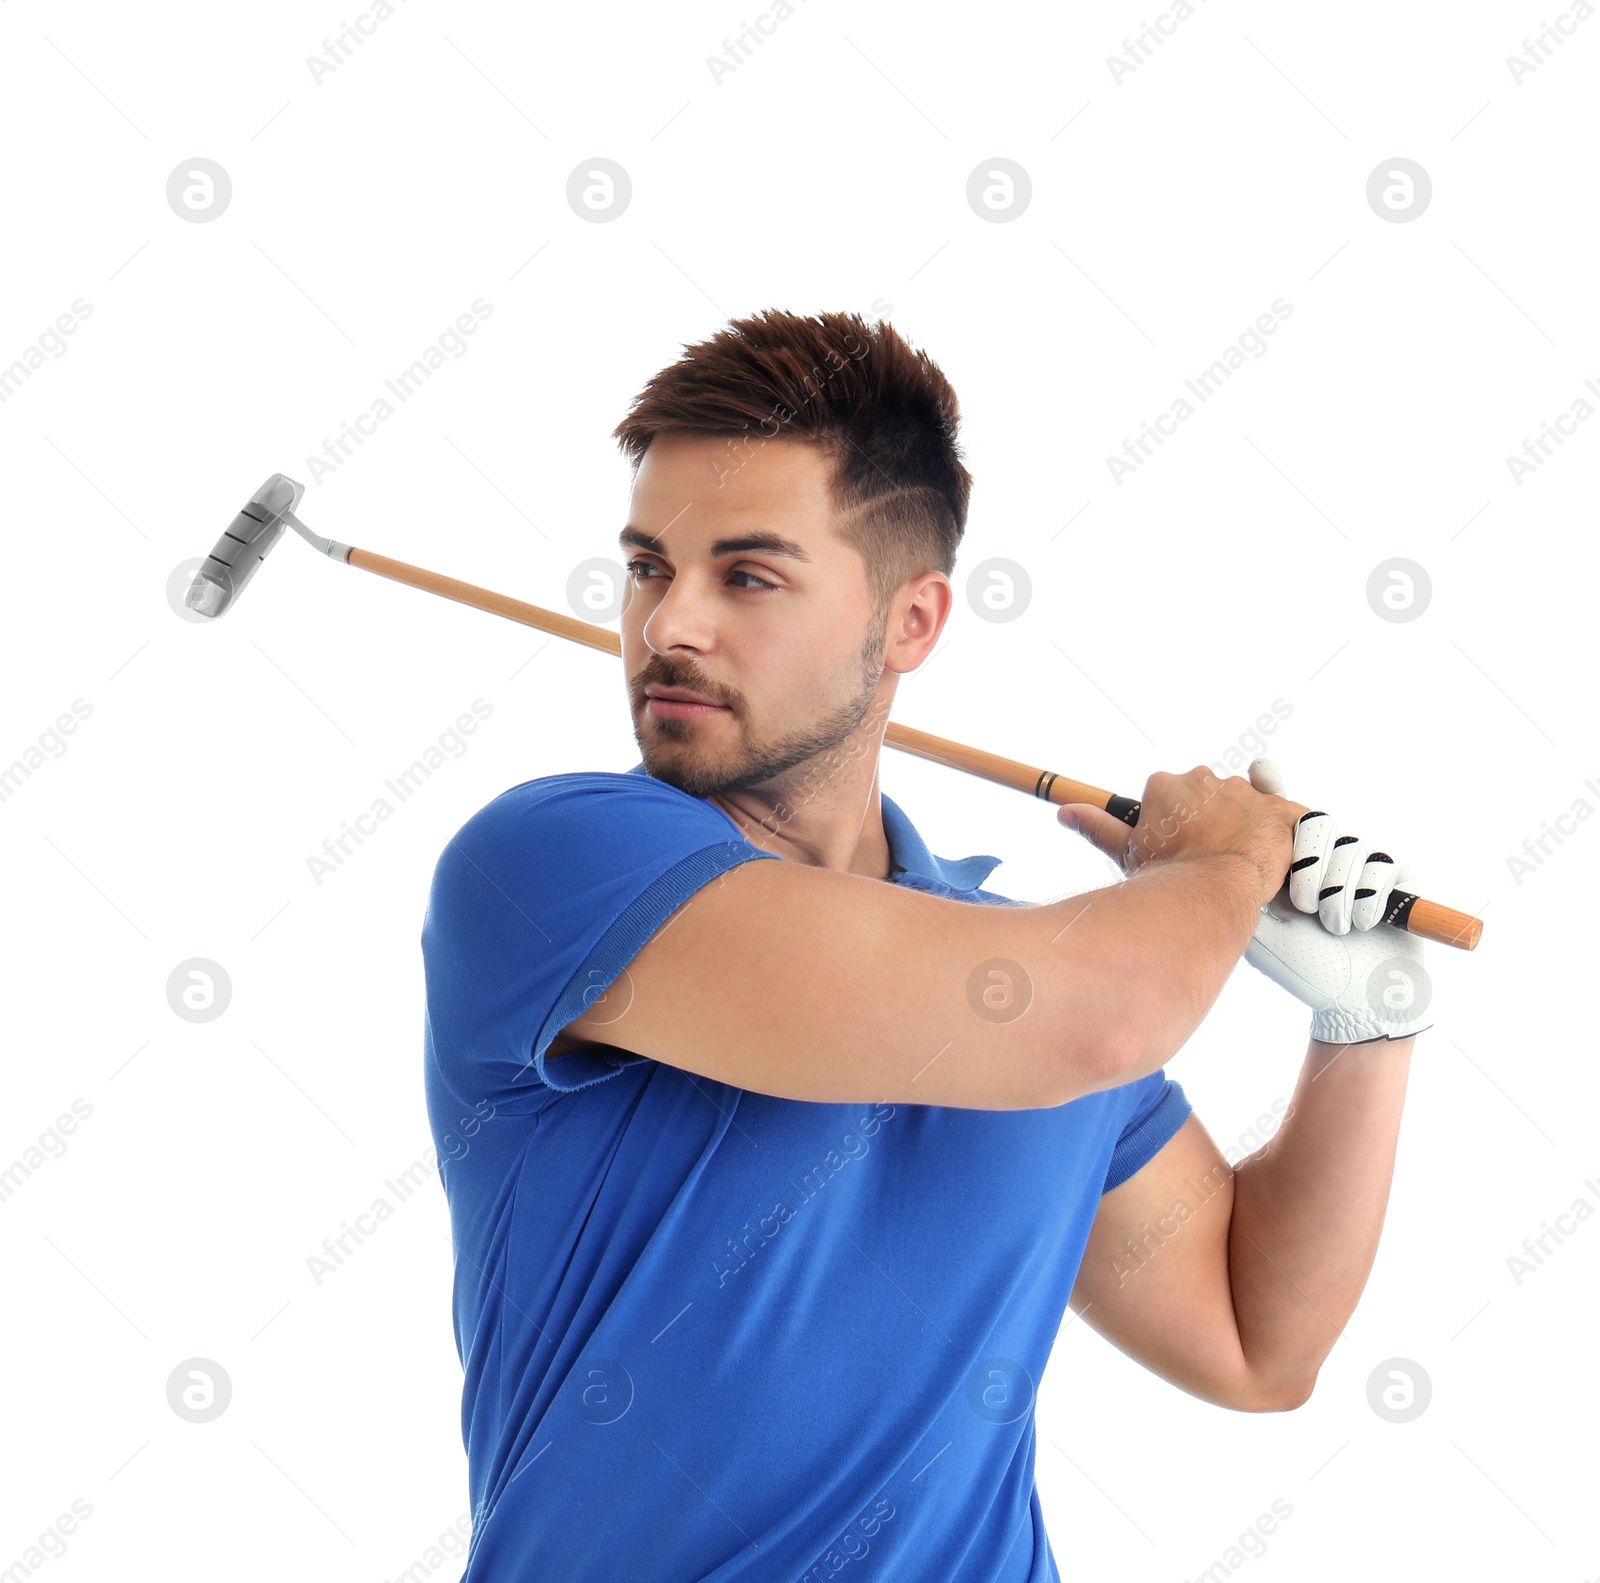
x,y
917,615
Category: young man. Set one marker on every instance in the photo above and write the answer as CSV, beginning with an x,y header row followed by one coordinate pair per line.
x,y
775,1146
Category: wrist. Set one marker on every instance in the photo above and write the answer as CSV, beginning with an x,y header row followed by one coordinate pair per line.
x,y
1223,891
1398,1045
1242,877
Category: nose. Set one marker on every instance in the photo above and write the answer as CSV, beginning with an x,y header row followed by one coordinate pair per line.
x,y
682,618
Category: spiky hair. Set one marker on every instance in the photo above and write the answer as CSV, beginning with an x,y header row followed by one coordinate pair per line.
x,y
884,415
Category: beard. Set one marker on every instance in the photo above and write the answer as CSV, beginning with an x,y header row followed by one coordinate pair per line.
x,y
755,763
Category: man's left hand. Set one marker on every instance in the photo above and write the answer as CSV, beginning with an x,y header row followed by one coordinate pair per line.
x,y
1321,937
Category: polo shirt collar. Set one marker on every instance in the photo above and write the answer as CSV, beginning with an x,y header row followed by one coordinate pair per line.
x,y
909,854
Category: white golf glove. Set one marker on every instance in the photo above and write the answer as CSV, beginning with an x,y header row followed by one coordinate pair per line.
x,y
1320,937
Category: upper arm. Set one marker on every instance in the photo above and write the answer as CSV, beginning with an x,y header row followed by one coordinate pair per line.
x,y
1154,1278
636,918
812,984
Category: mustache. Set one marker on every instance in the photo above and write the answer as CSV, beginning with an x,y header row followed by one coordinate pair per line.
x,y
666,674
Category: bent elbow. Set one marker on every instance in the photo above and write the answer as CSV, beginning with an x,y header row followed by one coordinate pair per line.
x,y
1278,1396
1085,1066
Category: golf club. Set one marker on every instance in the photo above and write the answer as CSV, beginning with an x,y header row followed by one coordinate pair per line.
x,y
263,517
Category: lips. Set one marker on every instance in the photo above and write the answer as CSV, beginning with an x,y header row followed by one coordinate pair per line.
x,y
677,703
678,695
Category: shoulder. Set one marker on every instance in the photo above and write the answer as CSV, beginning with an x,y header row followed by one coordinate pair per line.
x,y
581,836
571,806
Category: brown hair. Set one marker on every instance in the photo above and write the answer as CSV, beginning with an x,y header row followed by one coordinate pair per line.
x,y
883,413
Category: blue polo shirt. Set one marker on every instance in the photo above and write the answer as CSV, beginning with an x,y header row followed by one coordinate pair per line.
x,y
709,1334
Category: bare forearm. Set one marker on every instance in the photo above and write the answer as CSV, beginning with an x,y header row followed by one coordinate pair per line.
x,y
1308,1208
1149,956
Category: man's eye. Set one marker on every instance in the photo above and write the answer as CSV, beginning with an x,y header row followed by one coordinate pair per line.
x,y
647,571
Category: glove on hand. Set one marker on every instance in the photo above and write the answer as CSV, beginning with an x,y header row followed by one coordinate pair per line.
x,y
1363,979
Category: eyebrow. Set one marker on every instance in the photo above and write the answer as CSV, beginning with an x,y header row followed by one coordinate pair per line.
x,y
740,544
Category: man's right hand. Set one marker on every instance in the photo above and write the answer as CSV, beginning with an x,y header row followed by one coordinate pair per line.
x,y
1197,815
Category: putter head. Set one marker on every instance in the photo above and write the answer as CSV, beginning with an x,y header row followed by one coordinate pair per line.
x,y
243,547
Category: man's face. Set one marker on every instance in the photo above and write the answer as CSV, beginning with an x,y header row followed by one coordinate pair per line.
x,y
741,593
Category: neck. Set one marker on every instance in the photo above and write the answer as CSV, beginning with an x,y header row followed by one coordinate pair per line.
x,y
826,813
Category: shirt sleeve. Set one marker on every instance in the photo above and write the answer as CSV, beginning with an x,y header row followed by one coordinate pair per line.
x,y
1151,1110
537,905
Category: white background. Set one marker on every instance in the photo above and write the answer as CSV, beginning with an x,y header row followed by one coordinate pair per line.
x,y
1169,610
